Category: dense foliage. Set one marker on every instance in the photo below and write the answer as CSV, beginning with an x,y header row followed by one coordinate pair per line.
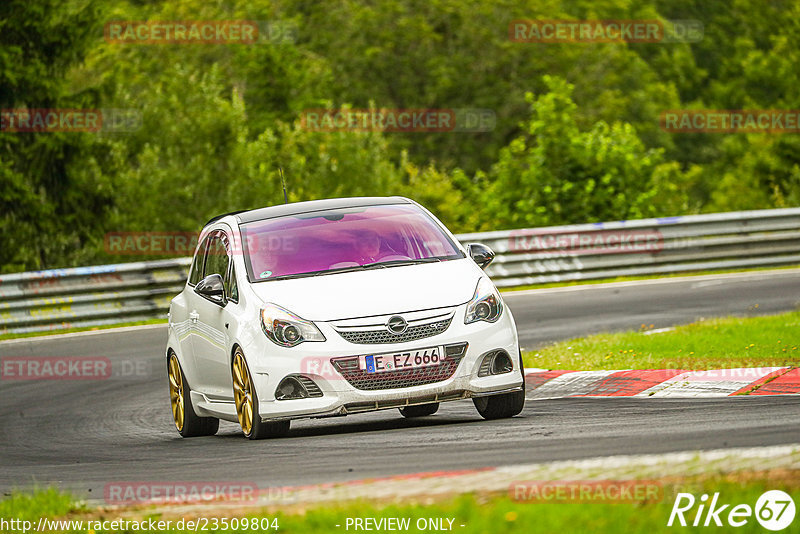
x,y
576,139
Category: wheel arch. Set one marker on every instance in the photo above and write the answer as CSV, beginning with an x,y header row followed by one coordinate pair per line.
x,y
234,346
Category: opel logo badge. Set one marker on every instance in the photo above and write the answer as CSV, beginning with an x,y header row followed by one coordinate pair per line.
x,y
396,325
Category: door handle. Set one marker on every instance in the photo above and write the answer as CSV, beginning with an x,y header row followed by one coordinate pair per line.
x,y
194,316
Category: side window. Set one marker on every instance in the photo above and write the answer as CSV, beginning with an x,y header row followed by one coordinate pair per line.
x,y
197,264
231,289
216,258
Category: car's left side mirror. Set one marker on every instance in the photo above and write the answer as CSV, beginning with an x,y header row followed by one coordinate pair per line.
x,y
481,254
212,288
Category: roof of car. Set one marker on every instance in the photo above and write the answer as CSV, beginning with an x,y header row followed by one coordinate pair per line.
x,y
296,208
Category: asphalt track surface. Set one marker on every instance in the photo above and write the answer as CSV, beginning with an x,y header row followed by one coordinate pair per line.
x,y
82,435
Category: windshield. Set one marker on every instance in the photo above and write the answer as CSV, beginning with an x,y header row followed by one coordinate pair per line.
x,y
341,240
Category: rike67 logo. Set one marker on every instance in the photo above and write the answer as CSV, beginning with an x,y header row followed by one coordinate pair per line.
x,y
774,510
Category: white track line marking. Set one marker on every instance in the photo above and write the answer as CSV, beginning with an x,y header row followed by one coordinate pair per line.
x,y
713,383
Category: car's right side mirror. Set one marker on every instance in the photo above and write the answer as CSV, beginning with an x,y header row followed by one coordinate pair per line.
x,y
481,254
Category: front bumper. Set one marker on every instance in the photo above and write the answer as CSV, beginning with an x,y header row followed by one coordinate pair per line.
x,y
270,364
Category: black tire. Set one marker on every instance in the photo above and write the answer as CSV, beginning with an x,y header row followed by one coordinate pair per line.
x,y
420,410
272,429
504,405
193,425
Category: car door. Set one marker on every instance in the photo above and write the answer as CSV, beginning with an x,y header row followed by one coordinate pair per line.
x,y
181,316
211,323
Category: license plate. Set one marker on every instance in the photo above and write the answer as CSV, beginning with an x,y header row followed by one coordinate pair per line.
x,y
399,361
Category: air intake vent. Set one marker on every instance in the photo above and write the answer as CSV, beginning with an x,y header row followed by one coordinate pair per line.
x,y
297,387
495,362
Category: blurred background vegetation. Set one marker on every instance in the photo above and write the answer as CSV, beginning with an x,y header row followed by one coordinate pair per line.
x,y
577,137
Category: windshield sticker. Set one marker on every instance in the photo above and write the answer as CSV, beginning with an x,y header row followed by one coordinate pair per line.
x,y
265,274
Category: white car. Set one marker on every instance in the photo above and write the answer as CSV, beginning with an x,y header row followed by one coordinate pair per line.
x,y
334,307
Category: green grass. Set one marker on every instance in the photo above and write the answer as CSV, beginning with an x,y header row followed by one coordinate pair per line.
x,y
82,329
772,340
682,274
46,502
491,514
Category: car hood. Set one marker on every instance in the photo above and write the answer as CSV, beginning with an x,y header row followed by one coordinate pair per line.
x,y
398,289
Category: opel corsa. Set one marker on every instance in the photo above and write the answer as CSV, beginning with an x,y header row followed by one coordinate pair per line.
x,y
335,307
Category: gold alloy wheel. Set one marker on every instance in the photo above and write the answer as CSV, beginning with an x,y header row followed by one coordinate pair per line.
x,y
243,392
176,392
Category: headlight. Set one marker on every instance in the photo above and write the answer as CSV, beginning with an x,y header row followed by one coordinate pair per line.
x,y
485,304
286,329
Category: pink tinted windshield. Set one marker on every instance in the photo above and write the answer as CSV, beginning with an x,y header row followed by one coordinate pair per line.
x,y
341,239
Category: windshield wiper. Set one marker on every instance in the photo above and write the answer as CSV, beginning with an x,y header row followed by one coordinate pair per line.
x,y
296,275
379,265
396,263
354,268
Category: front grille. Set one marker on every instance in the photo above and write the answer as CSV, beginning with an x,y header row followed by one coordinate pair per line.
x,y
383,335
361,379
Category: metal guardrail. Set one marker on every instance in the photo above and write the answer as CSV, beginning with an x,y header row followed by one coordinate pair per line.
x,y
666,245
88,296
107,294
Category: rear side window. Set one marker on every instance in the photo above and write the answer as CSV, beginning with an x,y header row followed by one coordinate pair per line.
x,y
197,264
231,289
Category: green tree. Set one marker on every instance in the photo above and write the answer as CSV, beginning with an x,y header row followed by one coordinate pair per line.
x,y
557,173
54,187
457,54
